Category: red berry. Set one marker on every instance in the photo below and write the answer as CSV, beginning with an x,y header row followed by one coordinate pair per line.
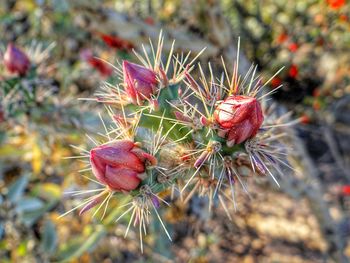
x,y
336,4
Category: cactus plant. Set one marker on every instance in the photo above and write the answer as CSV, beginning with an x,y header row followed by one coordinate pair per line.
x,y
172,129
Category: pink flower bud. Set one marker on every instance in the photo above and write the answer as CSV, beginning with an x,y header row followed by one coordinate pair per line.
x,y
239,118
120,165
15,60
140,82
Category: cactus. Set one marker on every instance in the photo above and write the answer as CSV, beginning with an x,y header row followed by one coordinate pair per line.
x,y
172,129
24,82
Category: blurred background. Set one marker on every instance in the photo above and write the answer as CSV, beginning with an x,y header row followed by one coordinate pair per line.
x,y
306,220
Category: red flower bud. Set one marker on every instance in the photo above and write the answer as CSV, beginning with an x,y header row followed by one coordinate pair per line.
x,y
140,82
15,60
239,118
120,165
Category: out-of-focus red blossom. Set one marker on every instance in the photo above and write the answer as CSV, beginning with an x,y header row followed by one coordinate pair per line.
x,y
345,190
120,165
293,47
116,42
336,4
102,67
281,38
305,119
140,82
275,82
15,60
293,71
149,21
239,118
